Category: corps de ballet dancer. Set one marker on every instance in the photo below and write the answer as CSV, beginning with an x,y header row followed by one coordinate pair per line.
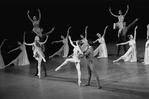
x,y
2,64
74,59
64,50
122,36
131,54
146,54
38,54
121,18
22,58
101,50
84,40
89,54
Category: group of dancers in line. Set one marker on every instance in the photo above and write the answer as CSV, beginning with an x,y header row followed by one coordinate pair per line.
x,y
81,48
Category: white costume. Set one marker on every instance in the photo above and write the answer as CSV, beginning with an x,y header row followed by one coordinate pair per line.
x,y
146,54
75,59
101,50
22,58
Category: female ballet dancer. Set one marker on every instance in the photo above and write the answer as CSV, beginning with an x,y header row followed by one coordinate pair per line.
x,y
84,40
38,54
36,29
101,50
74,59
120,17
131,54
64,50
146,54
2,64
22,58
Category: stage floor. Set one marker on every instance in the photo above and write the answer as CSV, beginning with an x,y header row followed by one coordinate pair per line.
x,y
122,80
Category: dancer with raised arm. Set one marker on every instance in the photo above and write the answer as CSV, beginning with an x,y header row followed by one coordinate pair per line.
x,y
2,64
121,17
122,36
38,54
84,40
22,58
101,50
74,59
36,29
89,54
64,50
131,54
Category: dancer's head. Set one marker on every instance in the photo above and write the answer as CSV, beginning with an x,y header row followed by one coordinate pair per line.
x,y
120,12
62,37
34,18
130,37
98,35
81,36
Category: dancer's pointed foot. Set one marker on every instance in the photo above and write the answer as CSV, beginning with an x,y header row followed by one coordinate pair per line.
x,y
58,68
79,83
114,61
50,56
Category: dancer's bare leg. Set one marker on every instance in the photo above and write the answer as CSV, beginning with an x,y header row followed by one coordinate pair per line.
x,y
64,63
39,67
79,73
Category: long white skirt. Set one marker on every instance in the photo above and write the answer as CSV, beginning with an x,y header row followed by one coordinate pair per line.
x,y
130,55
101,50
146,56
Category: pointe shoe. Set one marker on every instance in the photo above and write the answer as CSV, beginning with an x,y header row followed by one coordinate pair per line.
x,y
79,83
39,75
114,61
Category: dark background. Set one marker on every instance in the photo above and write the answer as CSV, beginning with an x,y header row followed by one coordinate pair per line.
x,y
64,13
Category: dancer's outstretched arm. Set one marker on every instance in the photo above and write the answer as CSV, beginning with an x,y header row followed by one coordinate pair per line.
x,y
86,32
45,40
14,49
30,44
95,41
71,41
126,10
122,43
39,15
68,32
135,33
2,43
57,41
29,16
112,13
49,31
104,31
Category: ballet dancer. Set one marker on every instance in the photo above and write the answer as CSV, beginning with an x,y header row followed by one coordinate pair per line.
x,y
121,17
146,54
64,50
122,36
38,54
36,29
101,50
89,54
74,59
131,54
22,58
84,40
2,64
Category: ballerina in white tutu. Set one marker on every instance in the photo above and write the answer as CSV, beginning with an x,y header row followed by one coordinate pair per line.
x,y
74,59
84,40
37,53
2,64
121,17
101,50
131,54
64,50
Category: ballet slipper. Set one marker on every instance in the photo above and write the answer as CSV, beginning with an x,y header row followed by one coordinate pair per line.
x,y
58,68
